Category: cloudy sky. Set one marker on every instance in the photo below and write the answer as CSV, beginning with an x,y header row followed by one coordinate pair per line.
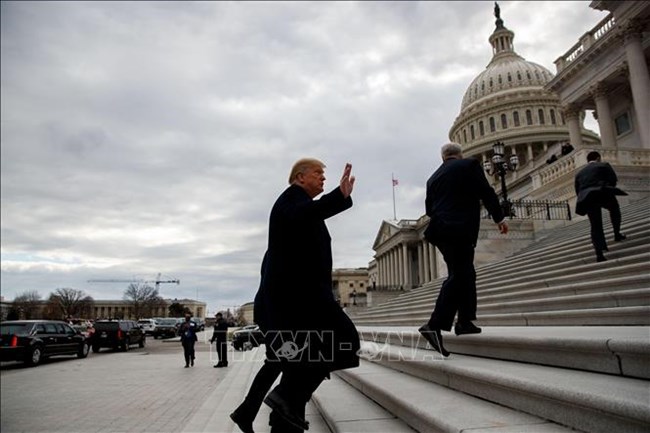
x,y
144,138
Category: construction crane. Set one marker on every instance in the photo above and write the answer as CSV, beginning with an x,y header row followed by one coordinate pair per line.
x,y
158,281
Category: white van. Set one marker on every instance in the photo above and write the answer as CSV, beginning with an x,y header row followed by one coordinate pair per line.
x,y
148,325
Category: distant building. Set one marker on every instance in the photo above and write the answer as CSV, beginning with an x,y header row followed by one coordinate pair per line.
x,y
350,286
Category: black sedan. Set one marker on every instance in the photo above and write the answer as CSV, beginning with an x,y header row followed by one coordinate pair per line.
x,y
31,341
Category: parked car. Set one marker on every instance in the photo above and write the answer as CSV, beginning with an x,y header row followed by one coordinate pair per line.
x,y
31,341
247,337
85,329
165,328
117,334
200,323
148,325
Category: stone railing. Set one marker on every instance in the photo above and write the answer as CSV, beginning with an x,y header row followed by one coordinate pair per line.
x,y
585,42
565,164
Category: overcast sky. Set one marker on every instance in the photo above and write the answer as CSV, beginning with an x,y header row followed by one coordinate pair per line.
x,y
144,138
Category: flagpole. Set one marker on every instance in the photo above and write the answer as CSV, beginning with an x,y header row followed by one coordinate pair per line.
x,y
392,175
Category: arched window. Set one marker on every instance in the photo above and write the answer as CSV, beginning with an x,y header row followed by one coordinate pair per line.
x,y
481,129
509,77
492,125
529,117
553,121
540,113
504,121
464,135
515,118
491,82
528,75
471,132
500,80
518,76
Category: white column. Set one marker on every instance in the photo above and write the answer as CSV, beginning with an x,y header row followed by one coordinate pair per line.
x,y
420,263
426,262
572,117
605,123
639,80
405,265
432,260
530,152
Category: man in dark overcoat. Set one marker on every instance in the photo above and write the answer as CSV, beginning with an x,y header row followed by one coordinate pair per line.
x,y
453,203
307,331
595,186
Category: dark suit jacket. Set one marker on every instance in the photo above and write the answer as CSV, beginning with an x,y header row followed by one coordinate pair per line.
x,y
220,334
592,182
453,201
296,289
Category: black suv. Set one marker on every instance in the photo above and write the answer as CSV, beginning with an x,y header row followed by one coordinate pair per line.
x,y
247,337
165,327
117,334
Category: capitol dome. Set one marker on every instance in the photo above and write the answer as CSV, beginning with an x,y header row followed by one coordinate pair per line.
x,y
509,102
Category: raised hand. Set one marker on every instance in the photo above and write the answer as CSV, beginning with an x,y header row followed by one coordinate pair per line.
x,y
347,181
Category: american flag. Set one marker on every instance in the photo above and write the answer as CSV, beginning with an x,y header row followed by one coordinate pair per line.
x,y
395,182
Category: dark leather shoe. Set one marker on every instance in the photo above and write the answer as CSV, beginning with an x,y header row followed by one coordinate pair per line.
x,y
434,337
601,258
280,406
218,365
243,420
620,237
462,328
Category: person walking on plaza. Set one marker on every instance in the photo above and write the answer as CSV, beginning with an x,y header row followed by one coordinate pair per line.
x,y
318,337
453,201
187,331
595,186
220,336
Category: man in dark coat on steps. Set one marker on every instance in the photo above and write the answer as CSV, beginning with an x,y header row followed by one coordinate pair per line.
x,y
595,186
307,330
453,203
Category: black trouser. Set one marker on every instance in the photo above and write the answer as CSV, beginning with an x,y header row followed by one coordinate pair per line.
x,y
609,202
261,385
296,387
458,291
188,351
222,351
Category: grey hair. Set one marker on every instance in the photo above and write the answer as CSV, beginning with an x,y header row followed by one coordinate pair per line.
x,y
451,150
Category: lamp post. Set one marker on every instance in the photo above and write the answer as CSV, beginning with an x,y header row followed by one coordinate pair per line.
x,y
501,166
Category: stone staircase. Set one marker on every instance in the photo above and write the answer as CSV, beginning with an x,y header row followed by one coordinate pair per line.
x,y
535,368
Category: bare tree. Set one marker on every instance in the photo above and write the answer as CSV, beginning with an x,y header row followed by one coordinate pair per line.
x,y
144,299
27,305
69,302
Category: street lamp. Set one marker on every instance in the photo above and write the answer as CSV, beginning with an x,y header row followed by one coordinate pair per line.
x,y
501,166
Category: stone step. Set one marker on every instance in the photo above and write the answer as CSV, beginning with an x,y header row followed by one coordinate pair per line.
x,y
346,410
429,407
616,350
559,286
631,316
214,412
586,401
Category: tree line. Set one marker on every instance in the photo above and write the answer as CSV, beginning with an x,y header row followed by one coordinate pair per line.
x,y
62,303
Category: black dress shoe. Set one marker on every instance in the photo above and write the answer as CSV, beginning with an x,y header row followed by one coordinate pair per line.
x,y
601,258
280,406
462,328
434,337
218,365
243,420
620,237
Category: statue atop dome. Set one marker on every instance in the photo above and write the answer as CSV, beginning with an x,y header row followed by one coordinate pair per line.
x,y
497,14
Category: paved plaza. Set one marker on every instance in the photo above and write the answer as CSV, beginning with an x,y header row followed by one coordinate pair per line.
x,y
143,390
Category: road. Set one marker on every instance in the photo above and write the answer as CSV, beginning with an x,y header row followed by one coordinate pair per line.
x,y
142,390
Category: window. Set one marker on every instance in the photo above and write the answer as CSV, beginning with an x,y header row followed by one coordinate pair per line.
x,y
540,113
518,76
360,284
482,85
464,135
515,117
528,75
492,126
50,328
504,122
500,80
471,131
529,117
509,77
481,129
553,121
490,81
622,123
